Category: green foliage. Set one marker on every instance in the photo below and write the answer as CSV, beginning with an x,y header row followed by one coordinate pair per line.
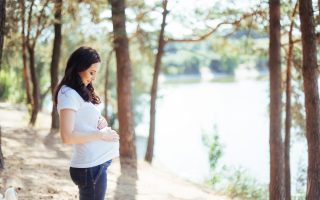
x,y
236,183
228,50
243,186
185,58
4,85
228,64
9,86
215,149
192,65
212,142
220,55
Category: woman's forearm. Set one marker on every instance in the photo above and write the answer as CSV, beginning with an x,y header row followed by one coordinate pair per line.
x,y
80,138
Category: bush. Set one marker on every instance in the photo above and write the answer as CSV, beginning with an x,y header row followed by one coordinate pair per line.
x,y
243,186
4,85
10,87
212,142
236,183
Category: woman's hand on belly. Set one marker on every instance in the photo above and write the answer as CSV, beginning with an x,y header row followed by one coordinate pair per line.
x,y
102,123
110,135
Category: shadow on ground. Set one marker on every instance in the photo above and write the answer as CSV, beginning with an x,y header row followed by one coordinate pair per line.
x,y
127,180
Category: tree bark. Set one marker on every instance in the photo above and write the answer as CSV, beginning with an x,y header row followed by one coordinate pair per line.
x,y
26,71
154,88
1,155
276,187
124,78
2,26
288,108
24,53
55,61
35,89
310,83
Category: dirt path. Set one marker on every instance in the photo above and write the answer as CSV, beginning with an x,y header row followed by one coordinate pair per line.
x,y
36,164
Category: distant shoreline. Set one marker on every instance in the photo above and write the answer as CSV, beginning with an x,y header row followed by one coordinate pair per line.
x,y
196,78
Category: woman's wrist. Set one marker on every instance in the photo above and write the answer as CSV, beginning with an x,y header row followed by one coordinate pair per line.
x,y
104,135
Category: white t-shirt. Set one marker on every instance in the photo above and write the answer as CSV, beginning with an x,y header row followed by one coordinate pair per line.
x,y
86,121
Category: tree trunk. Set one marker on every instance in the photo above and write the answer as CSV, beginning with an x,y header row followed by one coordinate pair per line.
x,y
36,88
26,72
55,61
310,83
24,54
288,125
276,187
2,23
154,88
1,155
2,26
288,109
124,77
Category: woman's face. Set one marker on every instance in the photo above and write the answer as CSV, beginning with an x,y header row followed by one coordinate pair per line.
x,y
89,74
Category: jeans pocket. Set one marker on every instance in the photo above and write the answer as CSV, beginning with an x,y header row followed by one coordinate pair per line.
x,y
95,173
79,176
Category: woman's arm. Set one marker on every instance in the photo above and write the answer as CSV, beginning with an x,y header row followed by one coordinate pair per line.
x,y
68,136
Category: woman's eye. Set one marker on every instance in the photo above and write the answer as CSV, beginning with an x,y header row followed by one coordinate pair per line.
x,y
91,73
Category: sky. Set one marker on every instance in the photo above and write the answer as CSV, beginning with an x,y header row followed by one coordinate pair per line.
x,y
181,20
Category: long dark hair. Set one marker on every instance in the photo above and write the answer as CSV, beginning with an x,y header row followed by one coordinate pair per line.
x,y
80,60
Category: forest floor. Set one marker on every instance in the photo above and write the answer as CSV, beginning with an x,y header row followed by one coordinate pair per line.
x,y
36,165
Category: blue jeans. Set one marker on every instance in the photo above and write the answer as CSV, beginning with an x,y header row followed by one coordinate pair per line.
x,y
92,182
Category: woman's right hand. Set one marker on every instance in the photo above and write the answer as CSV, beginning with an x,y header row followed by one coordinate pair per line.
x,y
110,136
102,123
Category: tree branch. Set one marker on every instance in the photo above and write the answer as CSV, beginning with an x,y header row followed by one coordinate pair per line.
x,y
29,22
226,22
40,26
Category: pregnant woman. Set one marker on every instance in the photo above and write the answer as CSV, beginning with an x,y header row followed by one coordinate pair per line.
x,y
81,124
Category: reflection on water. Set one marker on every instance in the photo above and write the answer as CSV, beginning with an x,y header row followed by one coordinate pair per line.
x,y
239,110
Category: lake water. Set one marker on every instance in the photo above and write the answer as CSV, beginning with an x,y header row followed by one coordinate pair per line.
x,y
239,110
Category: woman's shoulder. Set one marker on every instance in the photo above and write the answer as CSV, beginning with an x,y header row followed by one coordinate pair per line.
x,y
68,92
68,98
